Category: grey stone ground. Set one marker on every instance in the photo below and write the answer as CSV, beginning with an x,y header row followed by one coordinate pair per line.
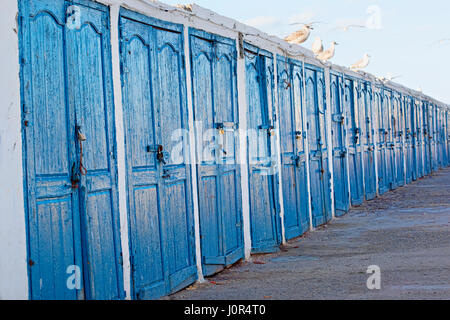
x,y
406,232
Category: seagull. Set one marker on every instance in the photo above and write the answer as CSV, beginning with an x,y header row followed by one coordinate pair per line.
x,y
390,76
361,64
327,54
317,46
348,27
441,42
300,36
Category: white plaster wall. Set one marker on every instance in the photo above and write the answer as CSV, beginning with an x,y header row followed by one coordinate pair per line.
x,y
13,268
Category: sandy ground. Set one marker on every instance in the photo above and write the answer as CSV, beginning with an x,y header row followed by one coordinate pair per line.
x,y
405,232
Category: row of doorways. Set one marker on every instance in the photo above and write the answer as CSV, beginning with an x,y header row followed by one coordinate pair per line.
x,y
70,151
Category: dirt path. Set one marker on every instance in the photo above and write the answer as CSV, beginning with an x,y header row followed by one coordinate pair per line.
x,y
405,232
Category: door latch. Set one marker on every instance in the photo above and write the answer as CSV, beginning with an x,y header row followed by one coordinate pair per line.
x,y
160,155
158,149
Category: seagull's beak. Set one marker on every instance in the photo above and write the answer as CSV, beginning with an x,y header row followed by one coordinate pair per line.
x,y
311,28
336,43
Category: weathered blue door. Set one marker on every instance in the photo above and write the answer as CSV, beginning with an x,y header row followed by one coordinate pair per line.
x,y
159,182
381,145
213,61
341,195
438,138
354,143
397,133
264,218
69,151
390,145
367,134
410,140
426,137
419,139
317,139
447,135
434,156
447,127
442,147
293,156
414,139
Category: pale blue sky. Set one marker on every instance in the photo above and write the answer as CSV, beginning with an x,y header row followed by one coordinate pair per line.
x,y
407,43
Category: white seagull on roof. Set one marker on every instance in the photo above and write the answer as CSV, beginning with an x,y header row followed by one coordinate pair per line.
x,y
300,36
327,54
361,64
390,76
441,42
317,46
350,26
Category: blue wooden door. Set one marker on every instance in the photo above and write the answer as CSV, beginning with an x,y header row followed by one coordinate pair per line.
x,y
410,145
390,145
398,132
354,141
408,151
438,138
426,137
447,135
214,88
341,196
367,140
414,139
159,182
430,136
442,146
292,139
318,153
264,218
433,120
71,192
380,142
419,139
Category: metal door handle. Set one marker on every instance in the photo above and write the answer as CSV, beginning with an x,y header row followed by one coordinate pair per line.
x,y
158,149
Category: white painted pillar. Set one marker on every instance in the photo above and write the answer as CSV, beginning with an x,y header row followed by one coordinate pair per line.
x,y
305,128
13,243
120,142
278,150
243,156
329,140
193,154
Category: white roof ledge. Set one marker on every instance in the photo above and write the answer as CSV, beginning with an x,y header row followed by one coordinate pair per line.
x,y
263,40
